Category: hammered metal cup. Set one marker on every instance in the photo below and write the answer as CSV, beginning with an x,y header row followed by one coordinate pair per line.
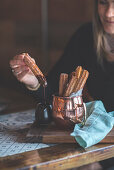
x,y
68,111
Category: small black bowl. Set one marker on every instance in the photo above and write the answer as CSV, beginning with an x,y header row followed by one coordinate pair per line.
x,y
43,114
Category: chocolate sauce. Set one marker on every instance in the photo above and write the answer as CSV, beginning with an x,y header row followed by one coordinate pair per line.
x,y
44,93
43,114
42,80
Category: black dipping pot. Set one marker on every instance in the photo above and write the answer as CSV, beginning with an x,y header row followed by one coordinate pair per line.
x,y
43,114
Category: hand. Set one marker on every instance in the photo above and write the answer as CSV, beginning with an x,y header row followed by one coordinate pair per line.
x,y
22,72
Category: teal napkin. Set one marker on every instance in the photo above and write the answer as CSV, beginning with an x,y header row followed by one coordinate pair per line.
x,y
98,124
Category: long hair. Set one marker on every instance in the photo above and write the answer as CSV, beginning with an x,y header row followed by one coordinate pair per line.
x,y
99,35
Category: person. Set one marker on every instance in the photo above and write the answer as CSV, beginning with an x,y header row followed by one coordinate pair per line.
x,y
92,47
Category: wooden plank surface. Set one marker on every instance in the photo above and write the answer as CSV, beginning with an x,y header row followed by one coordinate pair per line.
x,y
61,156
52,134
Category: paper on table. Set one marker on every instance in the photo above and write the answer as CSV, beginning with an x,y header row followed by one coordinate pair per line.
x,y
13,129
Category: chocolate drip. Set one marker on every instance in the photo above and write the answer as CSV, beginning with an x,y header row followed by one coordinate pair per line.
x,y
42,80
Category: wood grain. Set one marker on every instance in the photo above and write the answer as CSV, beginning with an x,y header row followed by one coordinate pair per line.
x,y
52,134
62,156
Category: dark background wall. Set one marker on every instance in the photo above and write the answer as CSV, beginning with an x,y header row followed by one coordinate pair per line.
x,y
40,27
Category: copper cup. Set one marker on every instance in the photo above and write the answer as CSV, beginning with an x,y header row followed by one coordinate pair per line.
x,y
67,111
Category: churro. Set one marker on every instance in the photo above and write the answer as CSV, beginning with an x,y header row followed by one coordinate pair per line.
x,y
63,83
34,68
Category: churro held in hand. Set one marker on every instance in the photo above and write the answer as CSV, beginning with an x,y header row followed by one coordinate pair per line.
x,y
34,68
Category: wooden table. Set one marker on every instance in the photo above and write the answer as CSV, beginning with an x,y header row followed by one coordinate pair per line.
x,y
61,156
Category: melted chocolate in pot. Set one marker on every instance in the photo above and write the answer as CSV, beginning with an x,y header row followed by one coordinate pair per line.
x,y
43,113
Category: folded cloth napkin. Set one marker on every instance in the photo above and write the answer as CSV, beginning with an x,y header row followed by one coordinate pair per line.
x,y
98,124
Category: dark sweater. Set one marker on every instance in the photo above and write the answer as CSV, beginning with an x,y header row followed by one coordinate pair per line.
x,y
80,51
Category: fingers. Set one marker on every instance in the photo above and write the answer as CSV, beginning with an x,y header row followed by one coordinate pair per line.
x,y
19,57
19,69
18,60
21,75
26,54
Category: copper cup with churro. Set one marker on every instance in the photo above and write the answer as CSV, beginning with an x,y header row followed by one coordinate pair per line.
x,y
69,108
68,111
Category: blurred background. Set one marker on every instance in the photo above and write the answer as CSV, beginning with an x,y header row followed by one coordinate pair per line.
x,y
40,27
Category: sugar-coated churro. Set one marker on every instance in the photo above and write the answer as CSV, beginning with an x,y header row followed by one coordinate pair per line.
x,y
63,83
82,80
34,68
77,81
70,86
